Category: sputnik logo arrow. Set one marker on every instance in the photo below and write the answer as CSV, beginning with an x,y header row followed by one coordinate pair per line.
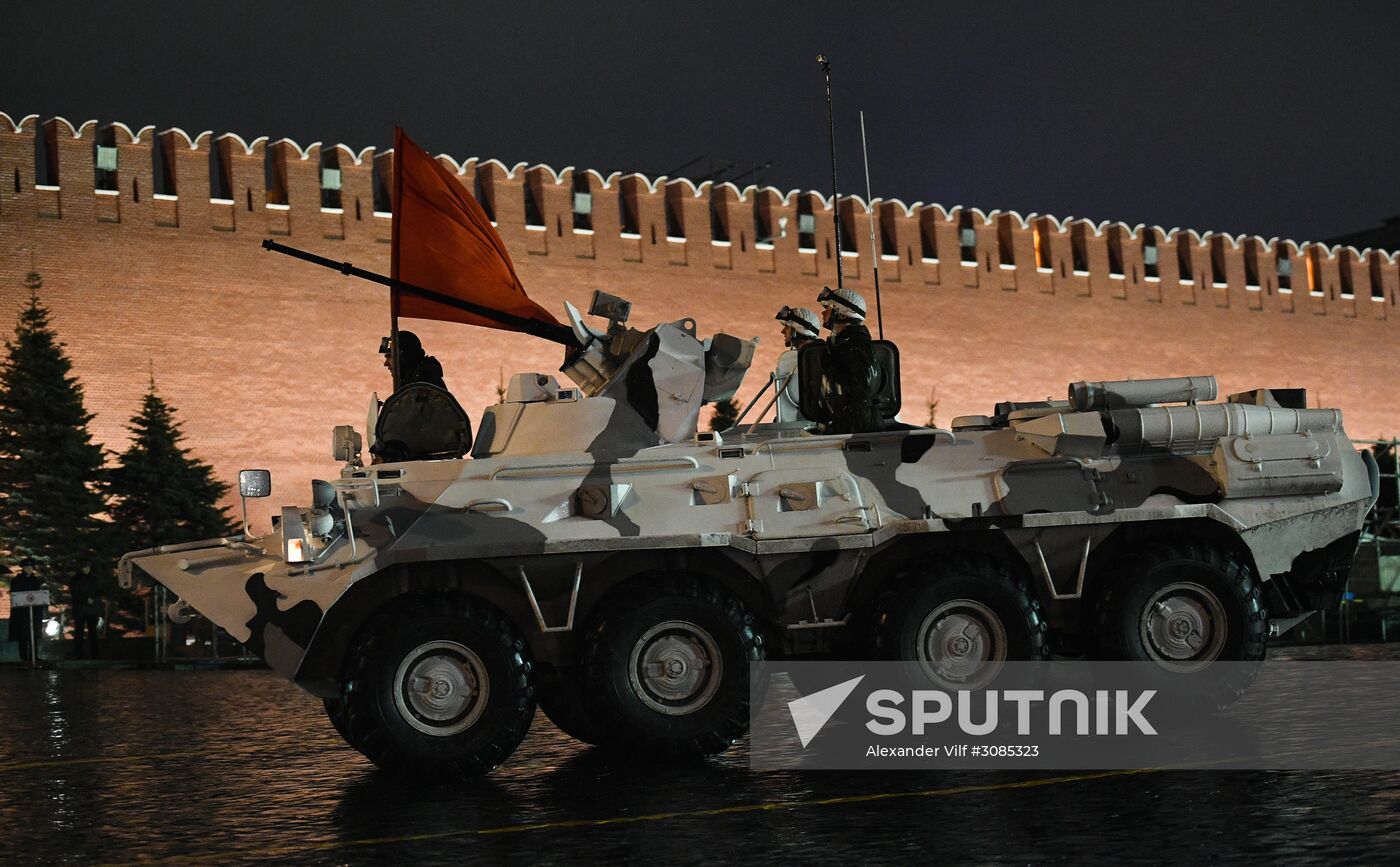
x,y
811,712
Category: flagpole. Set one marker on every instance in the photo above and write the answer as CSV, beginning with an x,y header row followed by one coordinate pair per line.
x,y
395,205
551,331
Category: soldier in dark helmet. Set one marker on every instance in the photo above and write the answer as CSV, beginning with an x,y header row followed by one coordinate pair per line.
x,y
852,374
415,365
418,423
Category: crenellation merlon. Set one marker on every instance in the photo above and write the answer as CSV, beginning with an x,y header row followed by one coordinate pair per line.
x,y
276,187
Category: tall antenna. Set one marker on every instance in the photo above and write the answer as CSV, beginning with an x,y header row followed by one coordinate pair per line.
x,y
831,135
874,251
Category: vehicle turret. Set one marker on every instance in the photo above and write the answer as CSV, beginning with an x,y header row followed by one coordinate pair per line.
x,y
636,388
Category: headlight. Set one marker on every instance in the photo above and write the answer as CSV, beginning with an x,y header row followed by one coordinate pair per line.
x,y
294,549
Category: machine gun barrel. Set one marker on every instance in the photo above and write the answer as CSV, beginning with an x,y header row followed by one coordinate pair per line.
x,y
555,333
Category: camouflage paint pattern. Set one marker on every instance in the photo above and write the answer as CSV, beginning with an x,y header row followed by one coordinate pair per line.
x,y
616,482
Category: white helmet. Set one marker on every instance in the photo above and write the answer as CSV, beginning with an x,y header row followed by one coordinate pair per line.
x,y
801,320
843,303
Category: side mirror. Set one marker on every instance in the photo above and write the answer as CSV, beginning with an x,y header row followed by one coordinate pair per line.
x,y
255,483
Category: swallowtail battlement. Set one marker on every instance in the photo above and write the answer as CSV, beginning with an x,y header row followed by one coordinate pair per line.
x,y
172,180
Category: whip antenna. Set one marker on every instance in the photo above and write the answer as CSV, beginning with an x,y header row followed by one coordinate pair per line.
x,y
831,136
870,204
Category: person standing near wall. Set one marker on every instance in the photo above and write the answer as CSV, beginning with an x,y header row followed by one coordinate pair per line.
x,y
26,624
87,608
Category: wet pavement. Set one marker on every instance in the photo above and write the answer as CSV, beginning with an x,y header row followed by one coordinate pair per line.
x,y
239,766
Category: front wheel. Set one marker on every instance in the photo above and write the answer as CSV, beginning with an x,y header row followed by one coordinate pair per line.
x,y
667,668
437,687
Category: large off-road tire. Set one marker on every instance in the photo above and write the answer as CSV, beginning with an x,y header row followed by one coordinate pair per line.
x,y
560,694
960,618
666,668
1185,605
335,712
437,687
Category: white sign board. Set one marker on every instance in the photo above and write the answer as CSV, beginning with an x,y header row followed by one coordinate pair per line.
x,y
29,599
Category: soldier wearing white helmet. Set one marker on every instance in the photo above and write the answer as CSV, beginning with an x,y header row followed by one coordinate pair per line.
x,y
800,327
852,374
841,307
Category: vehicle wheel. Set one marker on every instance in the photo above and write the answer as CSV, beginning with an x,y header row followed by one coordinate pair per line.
x,y
666,670
561,699
335,712
437,687
1184,606
960,621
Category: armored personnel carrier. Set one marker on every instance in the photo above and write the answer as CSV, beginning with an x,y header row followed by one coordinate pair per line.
x,y
595,553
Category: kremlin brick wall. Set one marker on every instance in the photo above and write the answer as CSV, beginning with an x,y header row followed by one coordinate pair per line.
x,y
148,270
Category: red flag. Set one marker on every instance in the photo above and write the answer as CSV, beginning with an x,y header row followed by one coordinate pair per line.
x,y
443,242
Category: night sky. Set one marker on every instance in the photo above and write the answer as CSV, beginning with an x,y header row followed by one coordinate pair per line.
x,y
1273,119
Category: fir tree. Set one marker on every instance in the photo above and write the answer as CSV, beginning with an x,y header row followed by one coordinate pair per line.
x,y
160,494
50,469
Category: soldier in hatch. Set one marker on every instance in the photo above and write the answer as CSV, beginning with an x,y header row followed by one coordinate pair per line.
x,y
415,365
852,374
418,423
800,327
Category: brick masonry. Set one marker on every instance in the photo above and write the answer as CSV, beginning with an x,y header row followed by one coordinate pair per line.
x,y
262,354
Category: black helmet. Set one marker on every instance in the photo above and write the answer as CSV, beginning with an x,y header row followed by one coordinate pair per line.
x,y
409,344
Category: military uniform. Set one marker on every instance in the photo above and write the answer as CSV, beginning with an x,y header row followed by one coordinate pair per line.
x,y
426,369
800,327
853,379
415,365
26,622
789,401
87,610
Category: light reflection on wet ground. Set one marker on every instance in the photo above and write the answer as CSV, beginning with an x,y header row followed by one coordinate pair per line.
x,y
236,766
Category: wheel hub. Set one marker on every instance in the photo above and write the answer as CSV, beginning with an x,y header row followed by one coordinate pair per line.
x,y
675,667
442,688
962,641
1184,624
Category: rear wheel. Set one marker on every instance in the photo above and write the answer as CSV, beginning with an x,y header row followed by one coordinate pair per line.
x,y
960,620
1184,606
667,668
437,687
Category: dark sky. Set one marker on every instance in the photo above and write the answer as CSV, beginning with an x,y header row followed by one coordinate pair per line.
x,y
1269,118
